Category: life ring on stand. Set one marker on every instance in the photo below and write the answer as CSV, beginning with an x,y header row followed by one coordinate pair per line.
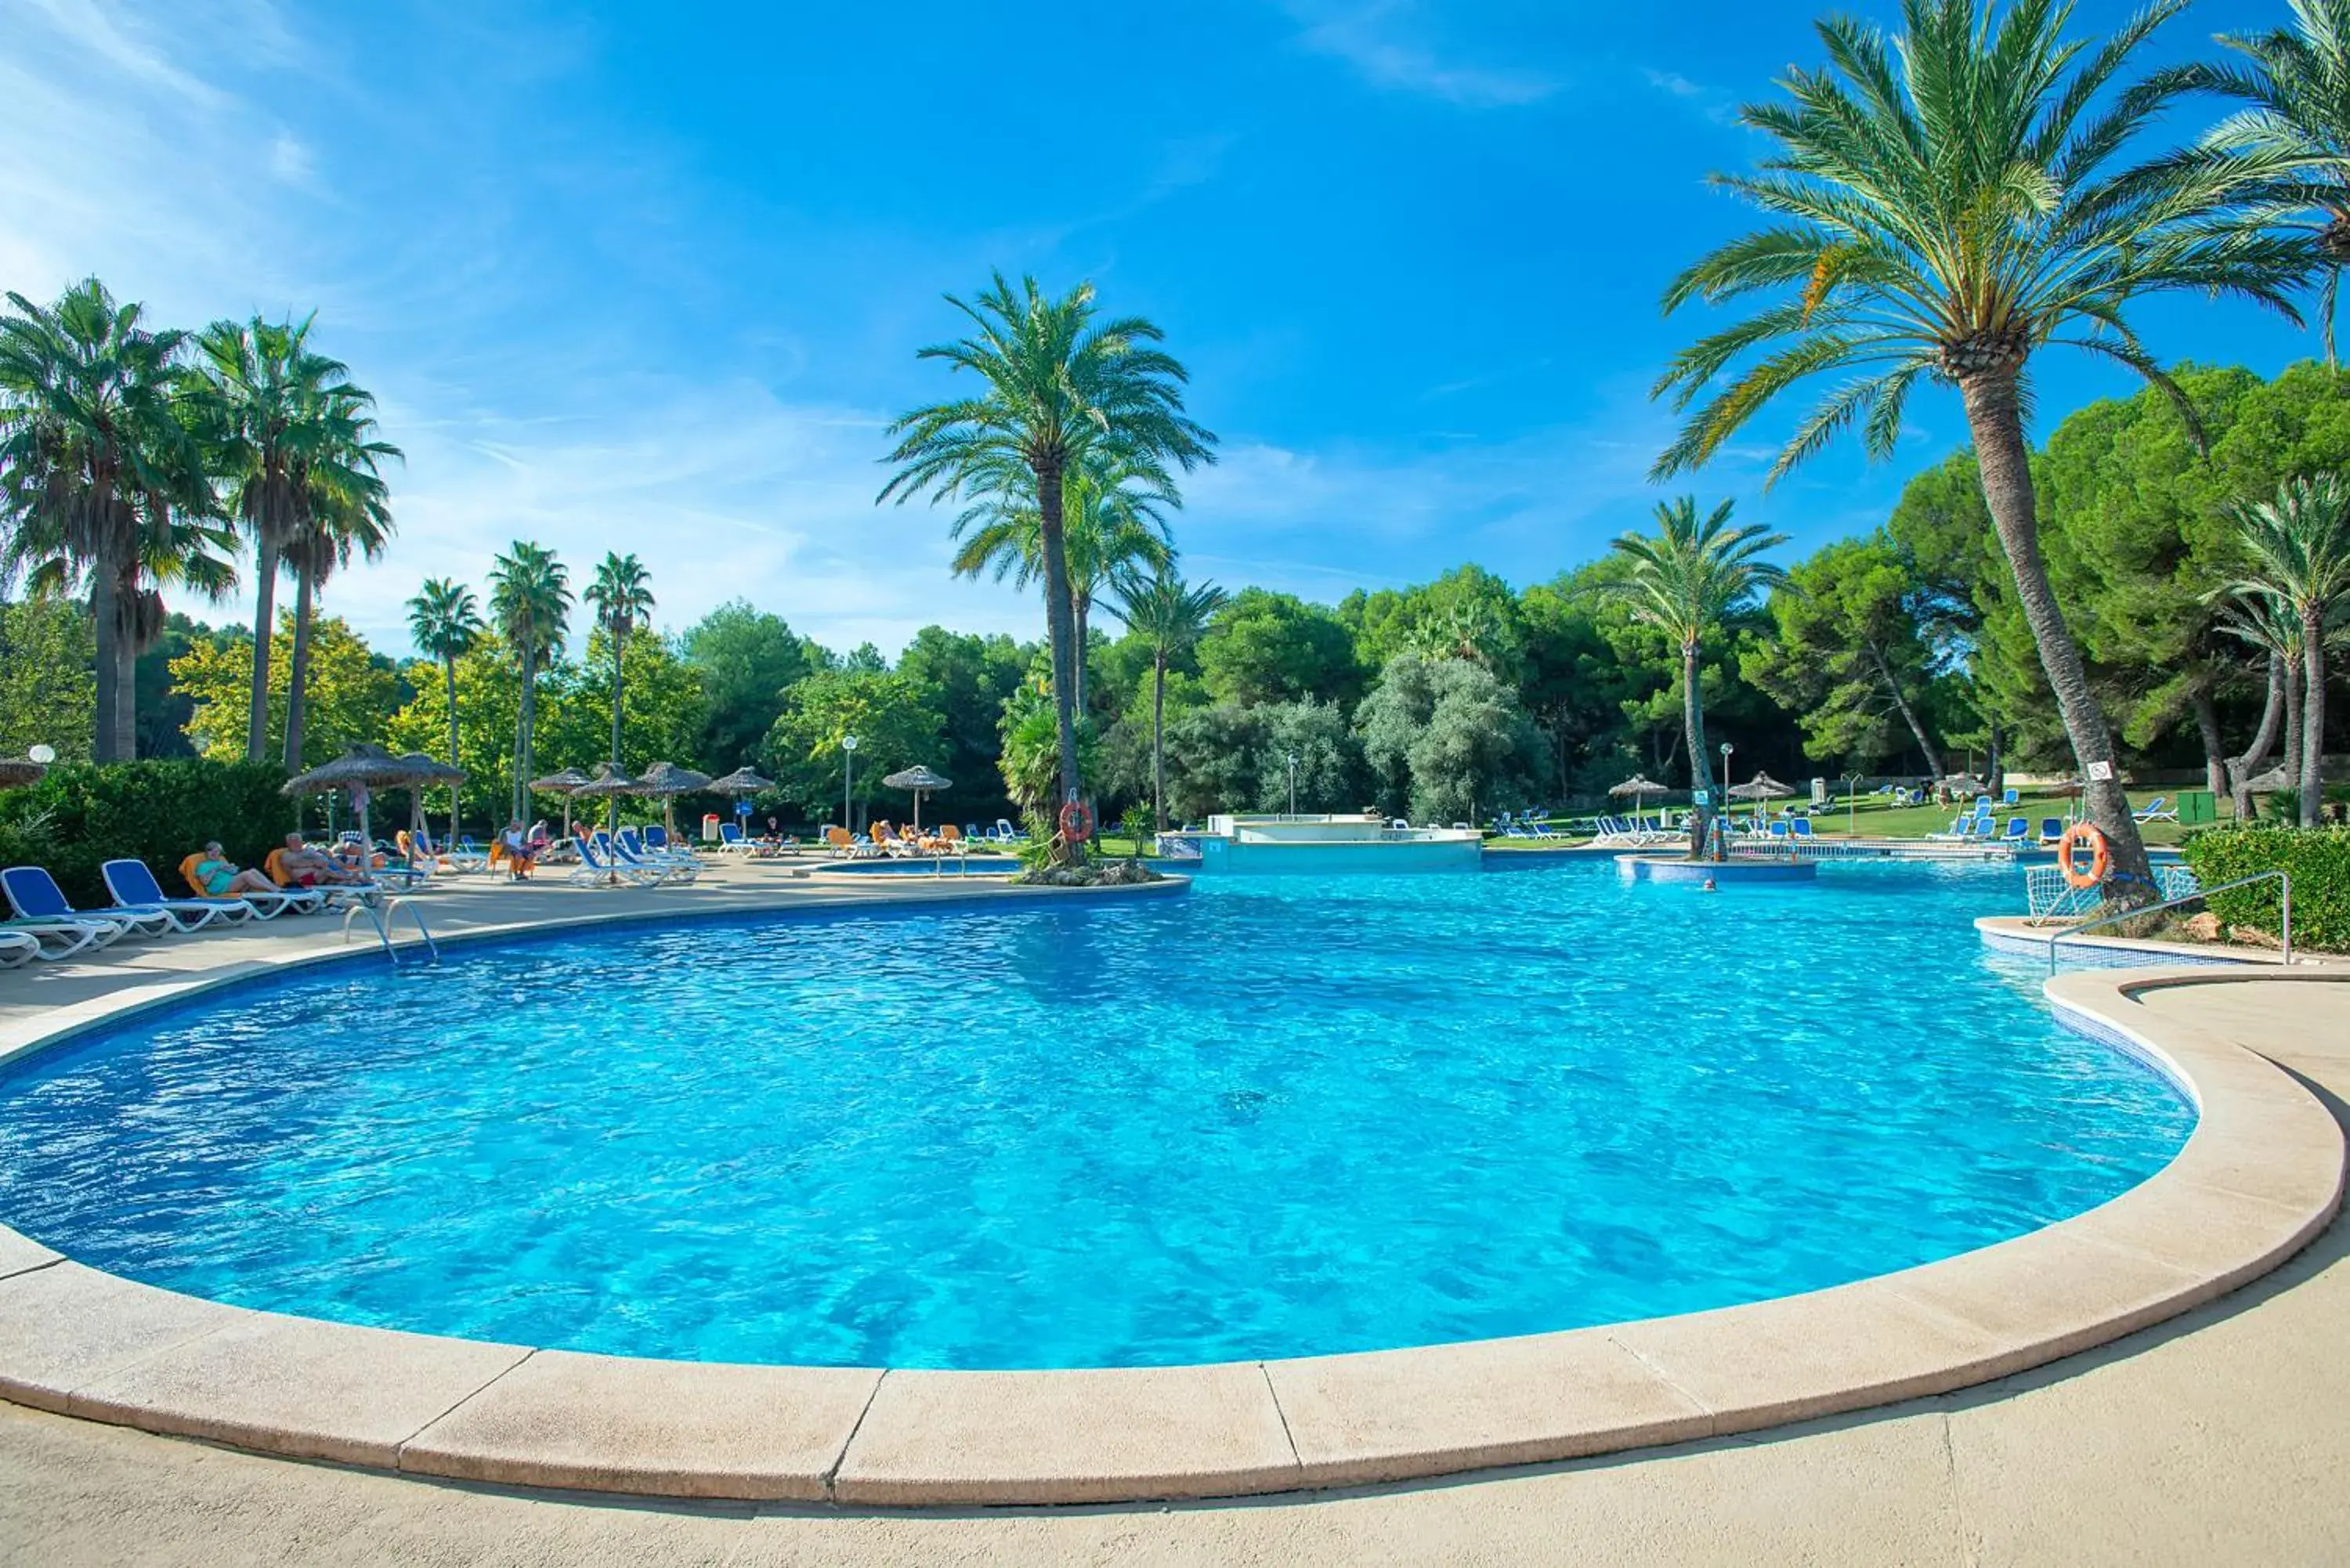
x,y
1076,822
2101,859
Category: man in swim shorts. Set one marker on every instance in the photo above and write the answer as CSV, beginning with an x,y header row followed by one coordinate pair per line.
x,y
308,869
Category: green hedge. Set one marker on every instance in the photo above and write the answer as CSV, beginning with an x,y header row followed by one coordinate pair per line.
x,y
152,811
2317,861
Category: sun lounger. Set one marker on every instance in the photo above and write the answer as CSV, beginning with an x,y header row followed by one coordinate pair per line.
x,y
19,948
35,897
1800,827
267,905
54,940
2052,830
669,867
331,895
598,864
2019,831
133,887
2157,812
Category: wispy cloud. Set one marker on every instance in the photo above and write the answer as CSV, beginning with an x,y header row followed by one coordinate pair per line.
x,y
1715,105
1379,41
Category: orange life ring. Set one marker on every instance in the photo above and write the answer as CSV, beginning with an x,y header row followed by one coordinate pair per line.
x,y
2101,859
1076,822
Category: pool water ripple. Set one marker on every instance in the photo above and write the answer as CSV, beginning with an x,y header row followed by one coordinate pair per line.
x,y
1271,1116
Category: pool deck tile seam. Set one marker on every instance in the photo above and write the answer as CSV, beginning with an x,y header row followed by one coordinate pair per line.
x,y
399,1451
1272,1392
832,1471
1663,1375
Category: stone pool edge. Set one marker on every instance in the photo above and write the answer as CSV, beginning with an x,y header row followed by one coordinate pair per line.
x,y
2260,1176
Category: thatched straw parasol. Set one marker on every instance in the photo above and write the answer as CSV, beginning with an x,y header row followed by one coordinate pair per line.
x,y
922,781
1758,789
566,783
740,783
665,782
17,772
363,768
1640,786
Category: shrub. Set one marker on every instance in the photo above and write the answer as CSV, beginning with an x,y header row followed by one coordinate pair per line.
x,y
155,811
2317,861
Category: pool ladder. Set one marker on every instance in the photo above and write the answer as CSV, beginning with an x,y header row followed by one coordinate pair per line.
x,y
382,919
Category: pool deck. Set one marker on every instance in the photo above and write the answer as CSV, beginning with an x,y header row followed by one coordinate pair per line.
x,y
2217,1429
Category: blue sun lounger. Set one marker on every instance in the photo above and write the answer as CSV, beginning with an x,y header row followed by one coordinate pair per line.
x,y
35,895
134,891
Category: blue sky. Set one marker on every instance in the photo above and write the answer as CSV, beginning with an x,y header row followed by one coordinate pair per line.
x,y
653,278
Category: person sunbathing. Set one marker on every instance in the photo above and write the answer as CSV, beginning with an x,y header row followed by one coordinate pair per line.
x,y
304,867
220,878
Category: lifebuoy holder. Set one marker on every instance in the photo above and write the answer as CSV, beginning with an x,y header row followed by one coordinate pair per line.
x,y
1076,822
2101,859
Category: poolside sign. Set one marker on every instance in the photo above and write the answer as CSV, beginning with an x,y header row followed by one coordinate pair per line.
x,y
2101,772
1702,797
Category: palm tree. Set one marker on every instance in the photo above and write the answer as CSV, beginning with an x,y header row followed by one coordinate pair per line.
x,y
445,619
530,596
2299,548
2296,82
1684,581
277,412
1173,615
1939,211
622,598
1112,518
347,513
1060,388
102,477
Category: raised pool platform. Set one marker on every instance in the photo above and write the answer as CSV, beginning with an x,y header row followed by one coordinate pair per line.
x,y
2260,1176
1322,845
1720,873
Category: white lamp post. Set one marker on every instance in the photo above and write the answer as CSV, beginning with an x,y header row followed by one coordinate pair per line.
x,y
848,782
1293,784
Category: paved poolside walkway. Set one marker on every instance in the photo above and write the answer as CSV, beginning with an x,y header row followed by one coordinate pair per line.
x,y
2222,1437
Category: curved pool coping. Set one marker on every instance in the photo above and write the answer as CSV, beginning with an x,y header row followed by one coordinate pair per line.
x,y
2259,1176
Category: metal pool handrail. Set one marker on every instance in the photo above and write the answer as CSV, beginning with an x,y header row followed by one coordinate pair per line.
x,y
2284,922
382,924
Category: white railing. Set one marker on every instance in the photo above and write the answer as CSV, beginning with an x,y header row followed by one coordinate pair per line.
x,y
2048,898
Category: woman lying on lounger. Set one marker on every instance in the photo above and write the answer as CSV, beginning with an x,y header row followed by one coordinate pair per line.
x,y
220,879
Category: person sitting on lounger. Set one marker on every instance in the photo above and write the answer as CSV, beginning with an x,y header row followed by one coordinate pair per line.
x,y
221,878
300,865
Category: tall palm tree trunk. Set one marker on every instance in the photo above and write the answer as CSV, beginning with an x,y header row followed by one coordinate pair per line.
x,y
2240,769
297,670
456,789
106,624
612,802
265,627
1078,611
1060,634
1996,422
2312,712
1158,738
1700,770
2291,762
127,649
524,716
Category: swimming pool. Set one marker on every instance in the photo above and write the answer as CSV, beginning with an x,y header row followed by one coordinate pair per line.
x,y
1265,1118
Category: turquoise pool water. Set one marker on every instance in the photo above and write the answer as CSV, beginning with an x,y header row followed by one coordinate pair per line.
x,y
1269,1116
